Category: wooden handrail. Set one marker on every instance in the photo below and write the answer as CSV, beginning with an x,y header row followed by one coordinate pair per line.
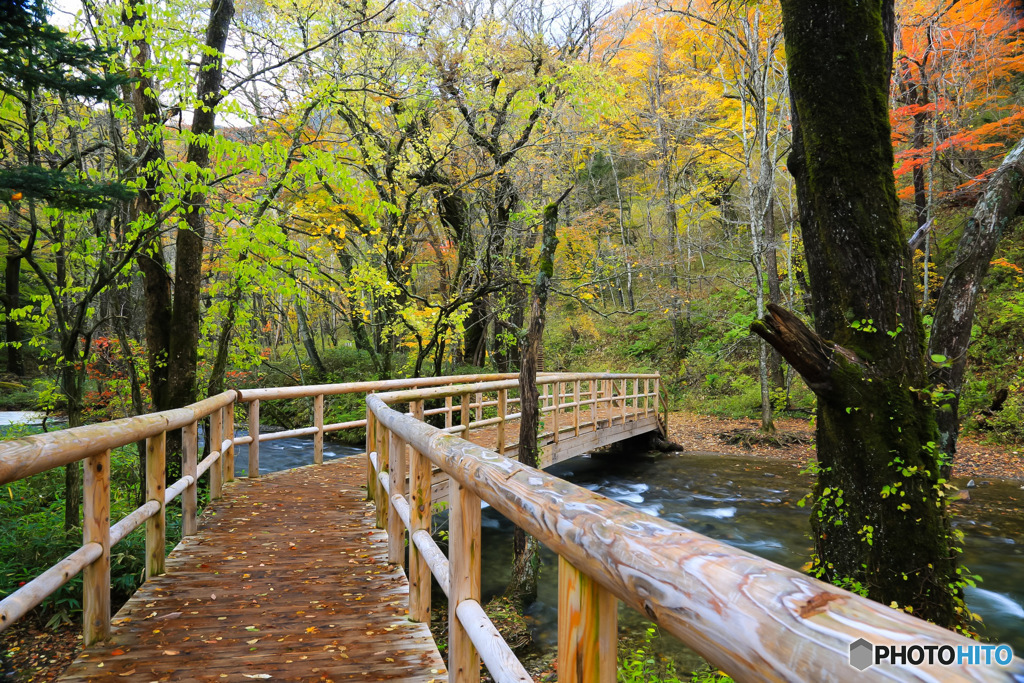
x,y
31,455
753,618
21,458
588,644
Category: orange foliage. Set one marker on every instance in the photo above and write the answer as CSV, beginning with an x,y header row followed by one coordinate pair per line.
x,y
955,74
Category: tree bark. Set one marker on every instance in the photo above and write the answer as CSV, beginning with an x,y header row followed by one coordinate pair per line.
x,y
879,518
309,344
958,298
156,282
522,587
183,355
12,300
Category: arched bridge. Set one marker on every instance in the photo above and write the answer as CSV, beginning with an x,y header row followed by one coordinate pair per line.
x,y
298,576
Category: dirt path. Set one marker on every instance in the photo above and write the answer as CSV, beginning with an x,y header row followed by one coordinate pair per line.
x,y
705,434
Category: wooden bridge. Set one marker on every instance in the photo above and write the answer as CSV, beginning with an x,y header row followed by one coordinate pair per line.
x,y
290,576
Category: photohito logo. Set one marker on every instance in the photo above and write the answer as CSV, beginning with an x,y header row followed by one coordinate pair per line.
x,y
864,654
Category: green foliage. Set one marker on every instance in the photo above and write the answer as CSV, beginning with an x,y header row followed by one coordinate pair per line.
x,y
643,665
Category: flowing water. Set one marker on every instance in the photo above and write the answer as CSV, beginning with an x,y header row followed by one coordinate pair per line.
x,y
752,504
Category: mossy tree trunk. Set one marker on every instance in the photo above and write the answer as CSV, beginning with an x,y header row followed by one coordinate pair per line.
x,y
879,516
522,586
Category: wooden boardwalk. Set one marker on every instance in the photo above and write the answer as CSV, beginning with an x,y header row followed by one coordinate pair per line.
x,y
287,579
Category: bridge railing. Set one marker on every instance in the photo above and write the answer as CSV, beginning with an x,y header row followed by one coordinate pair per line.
x,y
754,619
92,444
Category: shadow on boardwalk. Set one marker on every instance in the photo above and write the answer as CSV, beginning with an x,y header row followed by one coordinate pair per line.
x,y
287,579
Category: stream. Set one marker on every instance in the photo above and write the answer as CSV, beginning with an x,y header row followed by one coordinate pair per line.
x,y
751,503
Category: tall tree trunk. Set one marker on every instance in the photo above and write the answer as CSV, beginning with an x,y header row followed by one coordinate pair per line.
x,y
474,348
771,274
958,298
12,300
146,207
522,587
879,517
309,344
183,358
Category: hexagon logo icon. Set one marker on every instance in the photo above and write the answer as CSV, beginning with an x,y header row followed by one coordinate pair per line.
x,y
862,654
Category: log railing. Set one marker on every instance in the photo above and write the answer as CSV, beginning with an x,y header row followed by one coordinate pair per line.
x,y
756,620
92,444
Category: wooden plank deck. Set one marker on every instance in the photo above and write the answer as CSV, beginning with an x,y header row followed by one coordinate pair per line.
x,y
287,579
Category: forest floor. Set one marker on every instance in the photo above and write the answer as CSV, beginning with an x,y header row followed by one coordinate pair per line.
x,y
976,457
32,654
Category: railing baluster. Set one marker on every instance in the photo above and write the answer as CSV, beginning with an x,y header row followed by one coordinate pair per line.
x,y
576,408
229,433
555,402
479,405
216,439
254,445
96,529
371,444
587,628
189,498
419,518
395,527
465,416
657,389
383,505
447,411
318,422
622,408
156,526
502,411
464,565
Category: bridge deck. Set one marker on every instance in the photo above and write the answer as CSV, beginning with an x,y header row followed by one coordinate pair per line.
x,y
287,579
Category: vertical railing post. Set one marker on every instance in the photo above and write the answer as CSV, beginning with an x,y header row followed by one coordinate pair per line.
x,y
594,386
448,411
371,474
156,526
96,529
254,445
318,422
216,439
556,400
479,405
657,394
380,497
465,416
625,391
464,579
502,411
647,396
419,520
636,398
587,628
189,498
576,408
396,472
229,433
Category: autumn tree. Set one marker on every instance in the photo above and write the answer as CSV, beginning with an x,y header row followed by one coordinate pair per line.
x,y
879,514
62,221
